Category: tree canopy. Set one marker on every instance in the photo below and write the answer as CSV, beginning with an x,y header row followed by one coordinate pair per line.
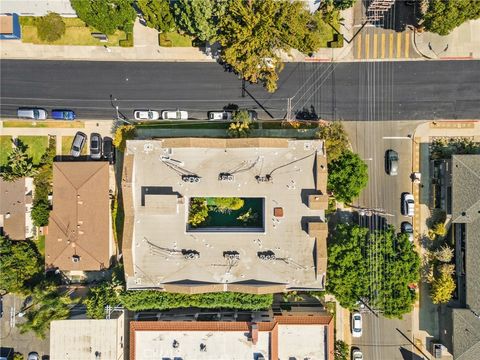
x,y
347,176
106,15
335,137
199,17
377,266
157,14
50,27
19,164
443,16
20,262
253,32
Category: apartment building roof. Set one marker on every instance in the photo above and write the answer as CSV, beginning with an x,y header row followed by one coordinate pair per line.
x,y
13,206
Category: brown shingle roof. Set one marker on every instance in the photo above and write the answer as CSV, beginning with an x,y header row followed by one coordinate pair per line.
x,y
272,327
80,220
12,202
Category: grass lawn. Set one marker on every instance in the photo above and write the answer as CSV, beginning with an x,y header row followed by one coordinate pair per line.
x,y
326,30
43,124
5,148
36,146
67,144
76,33
40,242
174,39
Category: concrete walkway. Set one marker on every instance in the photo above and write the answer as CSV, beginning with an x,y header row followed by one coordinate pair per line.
x,y
462,43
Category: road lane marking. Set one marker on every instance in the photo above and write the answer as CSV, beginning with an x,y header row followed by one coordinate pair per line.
x,y
383,45
375,46
407,44
399,45
367,46
359,46
390,48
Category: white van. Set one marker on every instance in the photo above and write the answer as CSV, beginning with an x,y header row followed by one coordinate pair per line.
x,y
32,113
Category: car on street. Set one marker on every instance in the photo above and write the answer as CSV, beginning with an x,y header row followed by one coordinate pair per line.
x,y
78,143
62,114
32,113
357,354
391,162
407,228
253,115
142,115
174,115
33,356
95,146
356,324
408,204
220,115
108,150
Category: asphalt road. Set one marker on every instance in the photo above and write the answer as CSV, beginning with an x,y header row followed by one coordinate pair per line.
x,y
350,91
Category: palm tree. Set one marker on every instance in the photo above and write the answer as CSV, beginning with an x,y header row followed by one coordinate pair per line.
x,y
48,304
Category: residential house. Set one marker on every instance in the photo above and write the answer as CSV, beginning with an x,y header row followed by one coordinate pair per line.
x,y
15,209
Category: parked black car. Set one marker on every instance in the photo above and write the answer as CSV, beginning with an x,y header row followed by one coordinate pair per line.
x,y
108,150
391,162
95,146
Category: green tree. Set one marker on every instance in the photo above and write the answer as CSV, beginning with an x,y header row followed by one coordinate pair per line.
x,y
20,262
442,288
253,32
19,164
98,298
48,304
50,27
240,128
157,14
335,137
198,17
198,211
122,134
40,212
443,16
228,203
342,351
106,15
347,176
377,266
339,4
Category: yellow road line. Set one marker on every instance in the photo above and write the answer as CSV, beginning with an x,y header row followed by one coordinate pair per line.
x,y
359,46
407,44
375,46
390,48
367,46
383,45
399,45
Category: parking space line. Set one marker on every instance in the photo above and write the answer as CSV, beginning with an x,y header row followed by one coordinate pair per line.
x,y
383,45
399,45
367,46
390,48
359,46
407,44
375,46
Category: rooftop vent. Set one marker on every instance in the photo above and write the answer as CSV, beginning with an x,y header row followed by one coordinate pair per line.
x,y
190,254
175,344
232,255
76,258
226,177
266,178
203,347
266,255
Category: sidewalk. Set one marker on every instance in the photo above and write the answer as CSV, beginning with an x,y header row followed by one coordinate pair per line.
x,y
462,43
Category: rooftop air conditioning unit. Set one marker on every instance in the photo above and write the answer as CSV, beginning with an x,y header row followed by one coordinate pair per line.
x,y
76,258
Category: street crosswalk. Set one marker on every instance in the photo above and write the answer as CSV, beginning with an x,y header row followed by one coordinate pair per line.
x,y
371,44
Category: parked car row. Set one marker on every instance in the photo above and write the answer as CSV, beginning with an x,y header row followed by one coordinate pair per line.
x,y
99,148
221,115
42,114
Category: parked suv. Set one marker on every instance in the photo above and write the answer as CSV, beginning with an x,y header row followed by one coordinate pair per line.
x,y
95,146
174,115
78,144
391,162
408,204
108,150
32,113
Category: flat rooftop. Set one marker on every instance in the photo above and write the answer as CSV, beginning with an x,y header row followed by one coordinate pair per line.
x,y
299,337
289,175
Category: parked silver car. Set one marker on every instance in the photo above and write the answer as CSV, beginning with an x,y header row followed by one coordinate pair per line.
x,y
174,115
220,115
32,113
95,146
78,143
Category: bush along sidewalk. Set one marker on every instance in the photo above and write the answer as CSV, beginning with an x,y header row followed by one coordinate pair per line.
x,y
43,186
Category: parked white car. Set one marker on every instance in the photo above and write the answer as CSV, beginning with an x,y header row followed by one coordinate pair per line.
x,y
357,355
408,204
356,324
174,115
146,115
32,113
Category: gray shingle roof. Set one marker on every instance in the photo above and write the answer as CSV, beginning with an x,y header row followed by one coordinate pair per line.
x,y
466,335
